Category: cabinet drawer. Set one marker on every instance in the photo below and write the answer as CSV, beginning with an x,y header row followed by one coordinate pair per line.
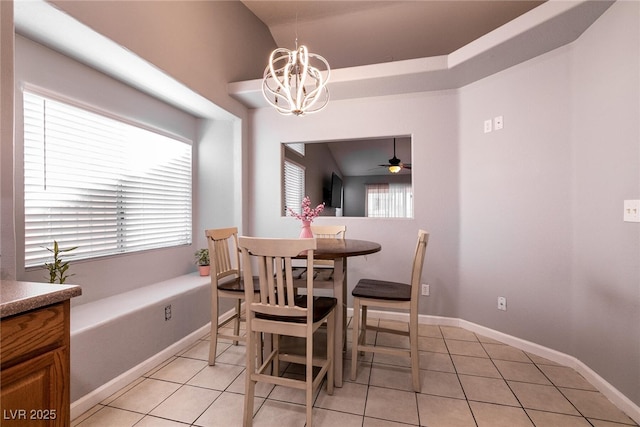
x,y
31,333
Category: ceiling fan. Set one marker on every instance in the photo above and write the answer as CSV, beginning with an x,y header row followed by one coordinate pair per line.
x,y
395,165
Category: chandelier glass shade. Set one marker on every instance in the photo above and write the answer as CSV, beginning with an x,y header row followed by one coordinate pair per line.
x,y
292,85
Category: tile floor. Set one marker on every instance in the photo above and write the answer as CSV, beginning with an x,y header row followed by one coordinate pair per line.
x,y
467,380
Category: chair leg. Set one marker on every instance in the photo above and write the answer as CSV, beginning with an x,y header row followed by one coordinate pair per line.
x,y
309,380
363,326
355,337
250,384
236,321
213,344
331,322
415,358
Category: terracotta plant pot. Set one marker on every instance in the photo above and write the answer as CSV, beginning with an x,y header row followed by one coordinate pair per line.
x,y
204,269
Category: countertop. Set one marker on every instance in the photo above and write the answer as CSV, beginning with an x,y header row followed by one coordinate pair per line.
x,y
17,297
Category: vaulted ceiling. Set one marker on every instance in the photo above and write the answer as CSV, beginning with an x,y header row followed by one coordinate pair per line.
x,y
353,33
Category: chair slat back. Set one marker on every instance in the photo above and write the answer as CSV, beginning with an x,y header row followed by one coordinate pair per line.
x,y
328,232
418,262
223,252
273,259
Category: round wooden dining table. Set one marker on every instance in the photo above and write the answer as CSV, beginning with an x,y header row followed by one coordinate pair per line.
x,y
338,250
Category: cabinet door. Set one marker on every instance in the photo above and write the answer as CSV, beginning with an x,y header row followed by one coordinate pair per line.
x,y
33,392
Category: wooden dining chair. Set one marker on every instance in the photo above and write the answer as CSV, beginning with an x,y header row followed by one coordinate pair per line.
x,y
393,295
226,282
278,311
322,269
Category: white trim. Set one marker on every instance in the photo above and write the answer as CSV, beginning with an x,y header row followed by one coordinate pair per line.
x,y
621,401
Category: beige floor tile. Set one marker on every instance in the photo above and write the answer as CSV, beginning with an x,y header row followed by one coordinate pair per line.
x,y
432,344
506,352
444,412
151,421
488,340
519,371
160,366
199,350
455,333
233,355
292,395
390,376
489,415
85,415
239,384
563,376
217,377
186,404
593,404
432,331
392,340
109,417
465,348
436,361
351,398
363,371
396,325
226,411
326,418
122,391
479,366
391,359
490,390
145,396
602,423
392,405
274,413
180,370
539,360
549,419
375,422
542,397
440,384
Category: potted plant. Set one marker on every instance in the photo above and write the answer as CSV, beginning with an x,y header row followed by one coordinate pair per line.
x,y
58,268
203,262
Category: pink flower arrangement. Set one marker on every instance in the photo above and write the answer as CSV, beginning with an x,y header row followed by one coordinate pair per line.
x,y
307,214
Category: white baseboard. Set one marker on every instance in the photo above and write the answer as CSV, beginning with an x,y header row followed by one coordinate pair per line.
x,y
616,397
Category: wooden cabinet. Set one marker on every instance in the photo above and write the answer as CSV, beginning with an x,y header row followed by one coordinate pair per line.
x,y
34,357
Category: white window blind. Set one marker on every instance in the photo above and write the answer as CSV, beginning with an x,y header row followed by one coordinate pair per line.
x,y
293,186
101,184
389,200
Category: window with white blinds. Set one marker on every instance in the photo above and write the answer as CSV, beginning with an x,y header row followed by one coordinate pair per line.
x,y
103,185
293,186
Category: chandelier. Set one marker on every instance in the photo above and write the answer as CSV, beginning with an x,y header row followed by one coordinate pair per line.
x,y
292,85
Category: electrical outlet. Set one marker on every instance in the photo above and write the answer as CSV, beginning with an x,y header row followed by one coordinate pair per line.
x,y
502,303
167,312
425,289
632,210
487,126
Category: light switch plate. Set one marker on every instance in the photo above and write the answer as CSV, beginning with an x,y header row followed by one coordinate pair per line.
x,y
632,210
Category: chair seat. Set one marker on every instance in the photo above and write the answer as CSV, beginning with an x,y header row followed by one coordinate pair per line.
x,y
237,285
322,306
381,289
